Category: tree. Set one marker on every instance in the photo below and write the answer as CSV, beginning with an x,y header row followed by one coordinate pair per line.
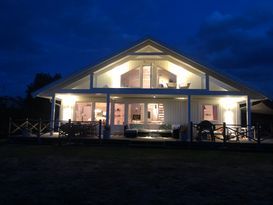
x,y
39,107
40,80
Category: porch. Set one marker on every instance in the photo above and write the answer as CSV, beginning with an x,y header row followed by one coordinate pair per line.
x,y
90,132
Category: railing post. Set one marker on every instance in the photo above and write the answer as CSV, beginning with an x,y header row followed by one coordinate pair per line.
x,y
27,124
100,129
39,130
258,133
10,121
191,129
224,133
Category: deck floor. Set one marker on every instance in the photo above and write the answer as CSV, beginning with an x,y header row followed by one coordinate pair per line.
x,y
151,138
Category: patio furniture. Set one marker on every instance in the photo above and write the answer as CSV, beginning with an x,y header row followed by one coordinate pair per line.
x,y
134,130
171,85
185,87
205,131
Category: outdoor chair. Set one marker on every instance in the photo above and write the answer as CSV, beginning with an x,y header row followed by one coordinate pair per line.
x,y
205,130
185,87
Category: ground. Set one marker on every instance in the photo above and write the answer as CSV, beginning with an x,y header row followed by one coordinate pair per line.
x,y
48,174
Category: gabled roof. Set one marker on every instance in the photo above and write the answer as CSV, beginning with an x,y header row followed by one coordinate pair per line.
x,y
166,51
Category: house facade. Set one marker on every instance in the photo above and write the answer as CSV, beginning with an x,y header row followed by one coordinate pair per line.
x,y
151,85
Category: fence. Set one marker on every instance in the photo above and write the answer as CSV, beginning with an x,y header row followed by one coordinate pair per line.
x,y
37,128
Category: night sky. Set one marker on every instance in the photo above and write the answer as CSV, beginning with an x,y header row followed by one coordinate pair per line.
x,y
233,37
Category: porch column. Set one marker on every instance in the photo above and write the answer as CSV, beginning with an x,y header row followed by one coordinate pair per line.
x,y
145,113
248,117
52,114
189,117
107,109
126,114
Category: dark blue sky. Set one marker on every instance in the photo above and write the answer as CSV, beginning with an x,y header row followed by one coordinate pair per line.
x,y
234,37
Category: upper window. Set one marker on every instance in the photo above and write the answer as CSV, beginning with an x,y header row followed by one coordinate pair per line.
x,y
210,112
131,79
152,72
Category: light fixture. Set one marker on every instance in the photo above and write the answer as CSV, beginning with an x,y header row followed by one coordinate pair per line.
x,y
181,98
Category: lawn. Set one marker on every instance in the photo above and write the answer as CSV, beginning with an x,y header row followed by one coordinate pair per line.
x,y
33,174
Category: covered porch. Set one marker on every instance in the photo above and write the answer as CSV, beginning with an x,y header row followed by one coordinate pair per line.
x,y
151,114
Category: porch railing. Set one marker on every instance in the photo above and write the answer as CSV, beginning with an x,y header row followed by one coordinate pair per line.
x,y
37,128
227,133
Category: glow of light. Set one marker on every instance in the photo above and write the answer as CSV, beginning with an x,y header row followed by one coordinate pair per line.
x,y
180,98
68,102
229,117
181,73
116,72
115,97
228,103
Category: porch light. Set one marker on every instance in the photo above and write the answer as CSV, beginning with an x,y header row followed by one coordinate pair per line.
x,y
115,97
181,98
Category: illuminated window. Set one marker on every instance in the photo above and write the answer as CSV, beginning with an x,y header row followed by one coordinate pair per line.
x,y
210,112
131,79
136,113
83,111
146,83
100,112
119,114
166,78
155,113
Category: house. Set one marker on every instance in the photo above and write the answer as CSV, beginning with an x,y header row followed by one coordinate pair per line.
x,y
149,85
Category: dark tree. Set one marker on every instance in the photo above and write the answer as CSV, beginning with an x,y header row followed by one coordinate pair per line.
x,y
38,107
40,80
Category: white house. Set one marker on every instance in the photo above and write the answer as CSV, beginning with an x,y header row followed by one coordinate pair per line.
x,y
152,85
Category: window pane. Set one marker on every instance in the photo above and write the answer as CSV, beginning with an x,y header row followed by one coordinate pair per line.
x,y
155,113
83,111
136,113
131,79
119,114
146,76
100,112
210,112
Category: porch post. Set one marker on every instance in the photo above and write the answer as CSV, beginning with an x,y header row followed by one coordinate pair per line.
x,y
126,114
52,114
107,109
248,117
189,117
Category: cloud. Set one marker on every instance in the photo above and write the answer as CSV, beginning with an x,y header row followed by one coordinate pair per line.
x,y
240,45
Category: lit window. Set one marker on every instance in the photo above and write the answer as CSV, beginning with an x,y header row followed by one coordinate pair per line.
x,y
83,111
100,112
136,113
155,113
119,114
210,112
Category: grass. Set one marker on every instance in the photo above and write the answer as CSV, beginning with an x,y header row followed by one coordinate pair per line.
x,y
121,175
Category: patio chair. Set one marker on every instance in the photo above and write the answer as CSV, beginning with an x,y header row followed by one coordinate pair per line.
x,y
205,130
185,87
